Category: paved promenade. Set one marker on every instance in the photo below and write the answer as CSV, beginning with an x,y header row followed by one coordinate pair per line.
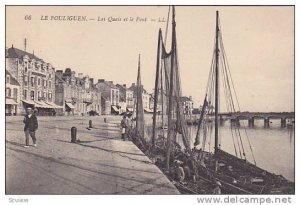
x,y
100,164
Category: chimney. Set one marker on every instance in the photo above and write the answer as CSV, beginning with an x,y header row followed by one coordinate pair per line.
x,y
124,85
92,80
80,75
133,84
101,80
59,73
25,44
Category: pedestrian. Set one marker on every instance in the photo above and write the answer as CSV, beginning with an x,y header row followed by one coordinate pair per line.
x,y
124,127
217,189
31,125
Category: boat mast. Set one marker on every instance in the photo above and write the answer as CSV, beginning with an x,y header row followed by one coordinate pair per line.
x,y
170,109
156,89
217,90
140,121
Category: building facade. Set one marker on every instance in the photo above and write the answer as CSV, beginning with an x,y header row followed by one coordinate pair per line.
x,y
110,95
36,79
77,95
126,98
146,97
188,104
12,96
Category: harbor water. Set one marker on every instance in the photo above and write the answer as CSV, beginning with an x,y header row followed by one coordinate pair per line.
x,y
272,147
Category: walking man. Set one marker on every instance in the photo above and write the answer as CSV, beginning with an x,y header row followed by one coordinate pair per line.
x,y
31,125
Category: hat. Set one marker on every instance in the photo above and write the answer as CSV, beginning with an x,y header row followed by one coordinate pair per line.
x,y
218,183
29,108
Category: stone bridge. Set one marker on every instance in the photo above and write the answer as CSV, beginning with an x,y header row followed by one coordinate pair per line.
x,y
251,116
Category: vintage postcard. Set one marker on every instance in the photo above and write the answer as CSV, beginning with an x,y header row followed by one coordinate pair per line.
x,y
150,100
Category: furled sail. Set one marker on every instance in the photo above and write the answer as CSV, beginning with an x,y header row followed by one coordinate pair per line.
x,y
140,119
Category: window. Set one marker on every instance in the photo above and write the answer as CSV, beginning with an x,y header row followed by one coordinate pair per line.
x,y
32,81
25,94
45,95
39,81
32,95
50,85
25,80
112,97
15,93
50,96
7,79
8,92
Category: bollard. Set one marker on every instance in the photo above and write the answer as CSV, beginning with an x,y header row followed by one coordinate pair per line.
x,y
266,122
90,124
283,122
73,134
105,119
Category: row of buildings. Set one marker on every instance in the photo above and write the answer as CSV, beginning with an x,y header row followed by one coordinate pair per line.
x,y
32,82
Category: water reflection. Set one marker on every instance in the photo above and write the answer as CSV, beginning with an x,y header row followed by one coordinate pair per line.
x,y
273,146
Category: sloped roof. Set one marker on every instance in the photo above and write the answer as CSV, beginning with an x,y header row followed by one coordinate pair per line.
x,y
110,84
134,87
13,81
184,99
57,76
18,53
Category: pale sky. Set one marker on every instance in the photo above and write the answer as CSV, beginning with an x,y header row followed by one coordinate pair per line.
x,y
259,43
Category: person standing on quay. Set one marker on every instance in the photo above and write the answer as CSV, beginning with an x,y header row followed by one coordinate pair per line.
x,y
124,127
31,125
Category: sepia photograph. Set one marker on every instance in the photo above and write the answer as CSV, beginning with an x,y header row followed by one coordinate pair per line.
x,y
150,100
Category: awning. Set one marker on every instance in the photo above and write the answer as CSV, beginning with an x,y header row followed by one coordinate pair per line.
x,y
148,110
9,101
70,105
115,108
45,105
39,104
129,109
54,105
30,102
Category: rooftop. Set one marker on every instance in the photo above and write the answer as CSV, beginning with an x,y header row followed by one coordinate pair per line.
x,y
18,53
13,81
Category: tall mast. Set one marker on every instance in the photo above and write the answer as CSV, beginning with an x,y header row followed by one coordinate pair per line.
x,y
156,89
161,77
217,90
139,105
170,110
137,97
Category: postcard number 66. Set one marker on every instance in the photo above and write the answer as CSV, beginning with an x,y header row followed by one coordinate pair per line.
x,y
28,17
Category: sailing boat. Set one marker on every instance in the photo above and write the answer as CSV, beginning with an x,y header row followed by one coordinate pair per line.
x,y
139,134
168,80
236,173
